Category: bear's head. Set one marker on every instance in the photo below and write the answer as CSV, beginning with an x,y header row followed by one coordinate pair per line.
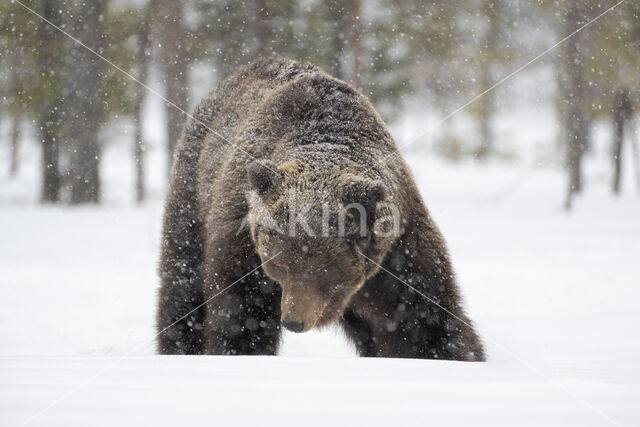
x,y
314,233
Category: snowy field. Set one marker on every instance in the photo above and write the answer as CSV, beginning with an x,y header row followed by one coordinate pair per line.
x,y
556,297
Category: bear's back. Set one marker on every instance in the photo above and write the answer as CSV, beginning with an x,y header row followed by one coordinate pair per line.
x,y
240,94
236,100
211,136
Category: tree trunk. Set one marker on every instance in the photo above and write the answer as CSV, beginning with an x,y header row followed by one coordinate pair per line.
x,y
175,69
85,104
621,111
576,122
16,118
355,40
50,116
261,27
635,151
492,12
338,40
16,121
139,145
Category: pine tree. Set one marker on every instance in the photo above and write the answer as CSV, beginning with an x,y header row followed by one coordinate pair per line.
x,y
84,106
50,115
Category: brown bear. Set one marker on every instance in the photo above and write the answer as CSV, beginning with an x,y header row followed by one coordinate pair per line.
x,y
287,207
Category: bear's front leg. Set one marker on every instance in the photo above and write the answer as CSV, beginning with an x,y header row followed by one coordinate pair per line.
x,y
412,307
386,320
243,304
180,312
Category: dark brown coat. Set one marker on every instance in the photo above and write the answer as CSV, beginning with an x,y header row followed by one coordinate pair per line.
x,y
281,127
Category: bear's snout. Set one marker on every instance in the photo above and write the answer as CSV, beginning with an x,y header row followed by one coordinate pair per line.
x,y
293,326
301,306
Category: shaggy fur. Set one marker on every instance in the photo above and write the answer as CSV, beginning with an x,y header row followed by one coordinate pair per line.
x,y
321,139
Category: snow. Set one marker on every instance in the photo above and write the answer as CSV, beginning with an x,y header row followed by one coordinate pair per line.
x,y
554,295
308,391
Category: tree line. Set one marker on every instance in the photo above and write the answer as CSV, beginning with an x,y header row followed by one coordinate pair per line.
x,y
442,52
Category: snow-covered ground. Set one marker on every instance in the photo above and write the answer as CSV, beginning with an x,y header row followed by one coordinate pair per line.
x,y
556,297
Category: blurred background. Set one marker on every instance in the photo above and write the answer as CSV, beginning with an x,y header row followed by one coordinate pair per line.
x,y
520,122
71,124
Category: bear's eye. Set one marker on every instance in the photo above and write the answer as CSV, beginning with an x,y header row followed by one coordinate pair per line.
x,y
363,242
359,242
268,235
317,271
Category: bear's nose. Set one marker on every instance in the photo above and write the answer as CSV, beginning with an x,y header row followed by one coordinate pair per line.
x,y
293,326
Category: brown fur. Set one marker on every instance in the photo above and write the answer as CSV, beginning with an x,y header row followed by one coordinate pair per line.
x,y
319,138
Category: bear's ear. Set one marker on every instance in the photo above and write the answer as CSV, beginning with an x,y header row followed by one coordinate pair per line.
x,y
366,192
263,176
